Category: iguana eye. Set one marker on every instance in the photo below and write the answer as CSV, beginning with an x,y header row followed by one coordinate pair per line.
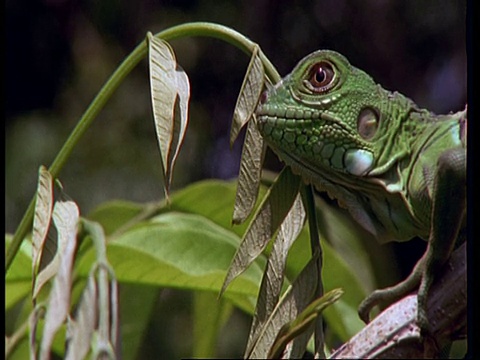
x,y
322,76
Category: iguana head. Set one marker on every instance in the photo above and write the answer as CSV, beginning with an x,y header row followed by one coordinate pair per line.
x,y
325,113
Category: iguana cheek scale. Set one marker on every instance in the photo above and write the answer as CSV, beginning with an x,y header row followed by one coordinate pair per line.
x,y
398,169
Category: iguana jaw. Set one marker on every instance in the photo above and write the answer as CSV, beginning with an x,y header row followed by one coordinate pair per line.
x,y
307,134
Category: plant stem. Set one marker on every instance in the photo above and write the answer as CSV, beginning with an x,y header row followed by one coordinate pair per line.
x,y
189,29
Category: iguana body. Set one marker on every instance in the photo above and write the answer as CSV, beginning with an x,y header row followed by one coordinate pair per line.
x,y
398,169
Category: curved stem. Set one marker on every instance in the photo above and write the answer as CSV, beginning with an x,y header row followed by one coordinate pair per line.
x,y
190,29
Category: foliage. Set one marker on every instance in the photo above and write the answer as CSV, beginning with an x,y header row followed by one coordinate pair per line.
x,y
269,264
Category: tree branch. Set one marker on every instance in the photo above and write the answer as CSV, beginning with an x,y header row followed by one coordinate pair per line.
x,y
394,333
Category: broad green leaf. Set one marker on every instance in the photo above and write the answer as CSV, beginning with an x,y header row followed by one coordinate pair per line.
x,y
18,281
170,91
249,95
253,153
183,251
65,217
114,214
301,324
44,243
213,199
274,274
272,211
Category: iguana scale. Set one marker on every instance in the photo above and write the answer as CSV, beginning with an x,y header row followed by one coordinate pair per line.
x,y
398,169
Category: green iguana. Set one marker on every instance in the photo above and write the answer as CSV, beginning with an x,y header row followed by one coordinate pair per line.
x,y
398,169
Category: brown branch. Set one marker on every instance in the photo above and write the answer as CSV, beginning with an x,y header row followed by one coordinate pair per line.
x,y
394,333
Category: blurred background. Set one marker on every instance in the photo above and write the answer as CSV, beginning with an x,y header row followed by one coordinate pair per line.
x,y
60,52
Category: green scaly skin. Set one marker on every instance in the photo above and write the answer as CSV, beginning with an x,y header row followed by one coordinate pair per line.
x,y
399,170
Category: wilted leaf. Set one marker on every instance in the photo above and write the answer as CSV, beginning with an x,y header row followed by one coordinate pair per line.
x,y
41,225
270,215
303,321
82,327
249,177
249,95
170,91
275,272
65,218
293,302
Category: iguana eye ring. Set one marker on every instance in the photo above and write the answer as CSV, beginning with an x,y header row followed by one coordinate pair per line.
x,y
321,77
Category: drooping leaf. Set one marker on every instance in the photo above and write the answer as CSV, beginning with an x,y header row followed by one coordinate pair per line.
x,y
275,272
170,92
65,217
41,224
249,95
107,332
293,302
268,218
306,318
249,177
82,327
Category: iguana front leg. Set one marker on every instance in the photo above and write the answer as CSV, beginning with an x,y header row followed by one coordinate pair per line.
x,y
448,213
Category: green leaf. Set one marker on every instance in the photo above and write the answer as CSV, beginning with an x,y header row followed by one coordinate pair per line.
x,y
272,211
18,281
114,214
136,304
170,92
253,153
183,251
212,199
210,314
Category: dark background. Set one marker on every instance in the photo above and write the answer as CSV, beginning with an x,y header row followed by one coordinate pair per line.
x,y
60,52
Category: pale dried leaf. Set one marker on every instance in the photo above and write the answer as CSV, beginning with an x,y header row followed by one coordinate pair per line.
x,y
65,218
272,211
41,220
35,315
249,95
248,184
293,302
274,274
180,120
170,91
82,327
